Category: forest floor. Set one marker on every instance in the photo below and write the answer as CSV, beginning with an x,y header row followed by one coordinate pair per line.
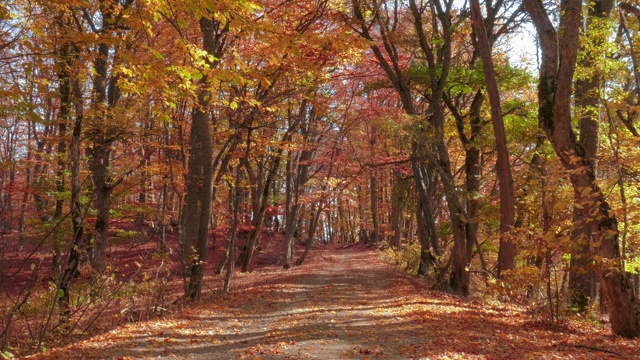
x,y
346,303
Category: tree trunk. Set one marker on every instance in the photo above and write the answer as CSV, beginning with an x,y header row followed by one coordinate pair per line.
x,y
25,195
100,168
73,257
194,227
506,253
459,276
427,232
64,90
559,56
65,60
363,236
375,231
233,232
313,225
587,101
291,213
295,189
40,170
103,132
472,166
197,209
398,199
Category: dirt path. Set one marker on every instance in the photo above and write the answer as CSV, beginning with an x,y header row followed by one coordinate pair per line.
x,y
344,304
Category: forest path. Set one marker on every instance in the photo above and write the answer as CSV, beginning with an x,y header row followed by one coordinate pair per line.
x,y
342,304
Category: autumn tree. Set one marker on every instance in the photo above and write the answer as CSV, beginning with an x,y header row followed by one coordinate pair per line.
x,y
104,128
506,255
555,91
70,117
194,224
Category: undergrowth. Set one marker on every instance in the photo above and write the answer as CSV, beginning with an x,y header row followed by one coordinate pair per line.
x,y
32,320
406,259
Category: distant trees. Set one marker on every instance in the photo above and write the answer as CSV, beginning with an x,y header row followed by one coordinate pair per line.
x,y
432,24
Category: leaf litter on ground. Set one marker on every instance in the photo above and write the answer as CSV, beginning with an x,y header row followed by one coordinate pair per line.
x,y
347,304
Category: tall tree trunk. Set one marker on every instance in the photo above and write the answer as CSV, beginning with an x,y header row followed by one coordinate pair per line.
x,y
295,189
100,168
73,257
342,222
375,231
398,198
103,132
291,213
313,225
427,232
65,59
587,101
25,193
506,253
559,56
459,277
438,59
40,169
472,166
427,259
363,235
197,209
101,152
61,154
438,63
231,249
194,227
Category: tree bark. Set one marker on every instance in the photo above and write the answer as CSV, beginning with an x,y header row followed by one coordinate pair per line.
x,y
506,253
472,166
313,225
65,60
555,90
427,232
194,227
587,101
233,232
64,270
291,213
73,256
375,231
100,167
295,188
398,199
197,210
103,131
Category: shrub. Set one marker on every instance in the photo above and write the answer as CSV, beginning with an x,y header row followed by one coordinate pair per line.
x,y
407,258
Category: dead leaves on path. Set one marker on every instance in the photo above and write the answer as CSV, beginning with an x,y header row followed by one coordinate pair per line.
x,y
359,308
